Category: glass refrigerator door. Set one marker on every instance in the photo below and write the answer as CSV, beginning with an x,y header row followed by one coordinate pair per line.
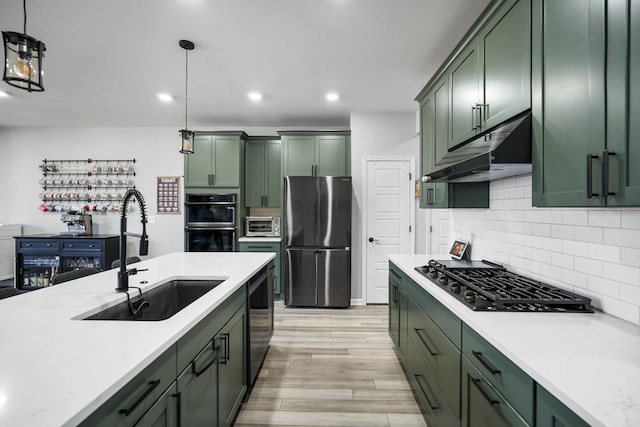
x,y
37,270
77,262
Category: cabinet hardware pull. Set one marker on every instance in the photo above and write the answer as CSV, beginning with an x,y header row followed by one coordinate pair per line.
x,y
151,386
213,179
590,192
490,399
479,116
266,200
48,245
424,391
208,179
228,347
424,340
395,274
478,355
178,397
430,196
605,173
28,245
225,356
473,117
196,372
258,247
71,245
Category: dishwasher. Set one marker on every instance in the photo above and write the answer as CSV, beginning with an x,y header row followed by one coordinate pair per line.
x,y
260,297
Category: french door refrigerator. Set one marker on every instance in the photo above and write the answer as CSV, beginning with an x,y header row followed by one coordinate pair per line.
x,y
317,241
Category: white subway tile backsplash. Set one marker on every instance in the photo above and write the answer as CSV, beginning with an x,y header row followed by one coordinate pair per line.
x,y
622,237
593,251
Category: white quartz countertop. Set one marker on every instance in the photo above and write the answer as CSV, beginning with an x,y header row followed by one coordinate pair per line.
x,y
590,362
260,239
55,371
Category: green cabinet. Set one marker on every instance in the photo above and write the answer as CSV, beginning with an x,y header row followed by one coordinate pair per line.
x,y
262,172
198,387
550,412
434,113
217,161
163,413
490,78
232,364
261,246
316,153
586,73
397,309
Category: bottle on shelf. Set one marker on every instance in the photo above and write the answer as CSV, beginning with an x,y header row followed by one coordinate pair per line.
x,y
53,274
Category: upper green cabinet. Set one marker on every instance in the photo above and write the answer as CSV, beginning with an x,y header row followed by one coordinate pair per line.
x,y
262,172
316,153
490,79
586,74
217,161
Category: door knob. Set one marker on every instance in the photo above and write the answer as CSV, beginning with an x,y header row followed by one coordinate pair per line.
x,y
371,240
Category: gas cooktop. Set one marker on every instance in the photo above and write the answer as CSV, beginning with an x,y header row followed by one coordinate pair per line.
x,y
487,286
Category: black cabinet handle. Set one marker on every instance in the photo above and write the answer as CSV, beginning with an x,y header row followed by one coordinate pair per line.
x,y
397,276
213,179
430,196
151,386
490,399
479,116
590,192
70,245
478,355
424,340
28,245
258,247
49,245
178,397
424,388
266,200
225,358
92,246
605,173
196,372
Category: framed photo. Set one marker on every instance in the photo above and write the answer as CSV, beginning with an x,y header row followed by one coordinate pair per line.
x,y
168,194
458,249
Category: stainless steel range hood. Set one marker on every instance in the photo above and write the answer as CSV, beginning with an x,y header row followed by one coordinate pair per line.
x,y
500,152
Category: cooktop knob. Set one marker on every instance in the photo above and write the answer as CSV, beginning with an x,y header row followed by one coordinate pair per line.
x,y
455,287
433,272
470,296
443,280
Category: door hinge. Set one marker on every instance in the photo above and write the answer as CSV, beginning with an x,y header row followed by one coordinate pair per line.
x,y
409,229
431,229
410,177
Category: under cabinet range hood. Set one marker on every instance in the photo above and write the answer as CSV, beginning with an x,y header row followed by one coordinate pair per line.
x,y
500,152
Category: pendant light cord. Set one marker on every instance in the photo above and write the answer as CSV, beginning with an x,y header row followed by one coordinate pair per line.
x,y
24,8
186,88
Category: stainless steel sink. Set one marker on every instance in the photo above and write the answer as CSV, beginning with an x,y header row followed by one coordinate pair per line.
x,y
160,303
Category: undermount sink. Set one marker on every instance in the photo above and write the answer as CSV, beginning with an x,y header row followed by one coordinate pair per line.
x,y
160,303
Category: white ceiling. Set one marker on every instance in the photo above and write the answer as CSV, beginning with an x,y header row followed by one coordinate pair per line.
x,y
107,59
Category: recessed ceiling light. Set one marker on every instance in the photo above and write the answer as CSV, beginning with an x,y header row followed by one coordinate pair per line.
x,y
332,96
165,97
254,96
3,94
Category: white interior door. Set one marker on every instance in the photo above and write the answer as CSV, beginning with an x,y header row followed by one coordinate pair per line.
x,y
438,232
389,221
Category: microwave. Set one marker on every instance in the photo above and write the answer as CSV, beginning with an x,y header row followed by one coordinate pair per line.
x,y
263,226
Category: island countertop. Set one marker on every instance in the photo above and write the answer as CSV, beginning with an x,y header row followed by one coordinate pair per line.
x,y
55,369
588,361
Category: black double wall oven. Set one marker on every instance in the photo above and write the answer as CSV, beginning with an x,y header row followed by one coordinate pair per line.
x,y
210,222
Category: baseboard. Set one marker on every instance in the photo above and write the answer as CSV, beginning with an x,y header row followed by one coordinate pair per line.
x,y
357,301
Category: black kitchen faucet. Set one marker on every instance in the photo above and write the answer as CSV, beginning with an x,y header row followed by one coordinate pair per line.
x,y
124,273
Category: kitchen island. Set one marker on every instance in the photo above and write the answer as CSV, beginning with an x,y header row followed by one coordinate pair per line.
x,y
56,370
590,362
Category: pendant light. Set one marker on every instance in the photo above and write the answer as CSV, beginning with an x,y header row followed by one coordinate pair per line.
x,y
23,59
185,134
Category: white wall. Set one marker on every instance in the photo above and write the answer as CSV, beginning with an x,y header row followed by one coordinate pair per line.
x,y
594,252
378,134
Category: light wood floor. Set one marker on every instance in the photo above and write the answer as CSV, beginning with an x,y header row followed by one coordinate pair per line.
x,y
331,368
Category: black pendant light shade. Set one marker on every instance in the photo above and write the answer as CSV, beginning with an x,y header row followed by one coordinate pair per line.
x,y
185,134
23,59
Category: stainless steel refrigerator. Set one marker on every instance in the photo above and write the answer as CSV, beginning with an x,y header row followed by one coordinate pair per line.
x,y
317,241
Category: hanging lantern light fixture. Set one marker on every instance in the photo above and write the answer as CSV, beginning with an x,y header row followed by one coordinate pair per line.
x,y
185,134
23,59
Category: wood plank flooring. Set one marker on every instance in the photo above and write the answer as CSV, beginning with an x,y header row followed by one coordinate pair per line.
x,y
331,368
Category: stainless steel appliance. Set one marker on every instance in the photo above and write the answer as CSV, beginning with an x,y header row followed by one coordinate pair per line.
x,y
78,224
486,286
260,297
263,226
317,241
210,222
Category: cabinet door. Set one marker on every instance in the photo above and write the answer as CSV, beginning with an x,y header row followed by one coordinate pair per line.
x,y
394,319
198,388
464,82
164,412
482,405
299,155
623,102
254,173
568,103
330,155
272,175
232,365
197,166
226,161
506,52
550,412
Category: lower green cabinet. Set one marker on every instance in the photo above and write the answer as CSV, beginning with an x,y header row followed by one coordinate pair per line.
x,y
258,246
198,388
550,412
163,413
482,404
232,363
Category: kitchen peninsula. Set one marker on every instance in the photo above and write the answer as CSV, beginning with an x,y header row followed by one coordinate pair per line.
x,y
57,370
